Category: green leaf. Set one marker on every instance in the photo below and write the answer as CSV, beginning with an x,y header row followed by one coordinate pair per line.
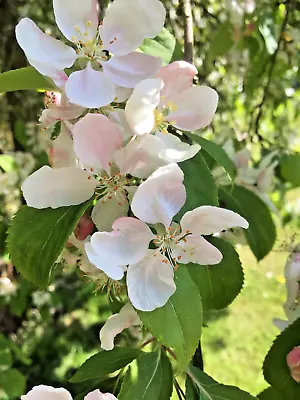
x,y
217,153
290,167
219,284
37,237
267,30
163,46
105,362
271,394
209,389
7,162
23,79
261,234
6,359
178,324
199,183
222,41
149,377
13,383
275,368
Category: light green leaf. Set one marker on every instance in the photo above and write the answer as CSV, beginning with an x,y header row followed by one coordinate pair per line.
x,y
217,153
13,383
37,237
199,183
290,167
275,368
7,162
23,79
203,387
219,284
163,46
105,362
222,41
178,324
261,234
149,377
271,394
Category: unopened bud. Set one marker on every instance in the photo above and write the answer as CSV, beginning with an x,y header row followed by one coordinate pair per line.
x,y
293,362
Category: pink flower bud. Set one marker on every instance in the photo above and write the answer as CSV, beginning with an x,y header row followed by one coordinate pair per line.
x,y
293,362
84,228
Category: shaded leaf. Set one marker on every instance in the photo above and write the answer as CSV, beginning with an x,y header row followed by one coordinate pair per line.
x,y
290,167
222,41
271,394
13,383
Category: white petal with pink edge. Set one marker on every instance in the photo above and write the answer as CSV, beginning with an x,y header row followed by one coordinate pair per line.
x,y
96,139
140,106
206,220
77,19
150,282
47,393
116,324
58,187
62,151
97,395
161,196
90,88
128,70
175,150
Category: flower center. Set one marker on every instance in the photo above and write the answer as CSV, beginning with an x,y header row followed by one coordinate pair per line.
x,y
113,187
167,242
161,117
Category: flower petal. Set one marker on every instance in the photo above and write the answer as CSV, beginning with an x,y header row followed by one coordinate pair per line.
x,y
116,324
177,77
127,243
140,106
175,150
107,211
47,393
113,270
54,188
62,151
90,88
77,19
196,108
48,55
150,282
161,196
96,139
197,250
127,23
132,68
206,220
97,395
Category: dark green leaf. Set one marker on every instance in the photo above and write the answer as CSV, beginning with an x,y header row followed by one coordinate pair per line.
x,y
105,362
222,41
208,389
200,186
219,284
276,370
37,237
149,377
178,324
13,383
5,359
290,167
271,394
23,79
261,234
217,153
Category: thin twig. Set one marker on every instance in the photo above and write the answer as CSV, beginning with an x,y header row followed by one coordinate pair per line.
x,y
171,353
271,70
188,32
180,392
151,340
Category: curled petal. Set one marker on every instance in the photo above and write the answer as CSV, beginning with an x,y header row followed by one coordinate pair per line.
x,y
174,150
116,324
96,139
90,88
77,19
150,282
206,220
132,68
292,278
47,393
97,395
127,23
281,324
177,77
107,211
48,55
196,108
127,243
54,188
161,196
109,267
197,250
140,106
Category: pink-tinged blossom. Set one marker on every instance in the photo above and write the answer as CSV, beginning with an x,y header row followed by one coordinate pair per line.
x,y
116,324
293,362
171,99
108,49
150,274
50,393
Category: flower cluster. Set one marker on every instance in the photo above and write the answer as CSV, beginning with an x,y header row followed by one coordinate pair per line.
x,y
117,127
51,393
